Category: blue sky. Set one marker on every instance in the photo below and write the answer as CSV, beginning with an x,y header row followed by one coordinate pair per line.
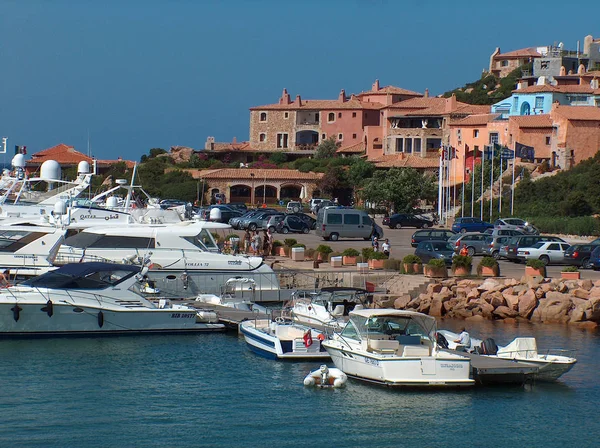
x,y
157,73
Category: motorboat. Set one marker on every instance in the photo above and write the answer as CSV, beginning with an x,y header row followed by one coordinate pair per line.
x,y
329,307
238,293
551,364
183,258
326,377
283,339
396,348
93,298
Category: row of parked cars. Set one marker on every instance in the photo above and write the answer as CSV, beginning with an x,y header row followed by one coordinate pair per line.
x,y
276,221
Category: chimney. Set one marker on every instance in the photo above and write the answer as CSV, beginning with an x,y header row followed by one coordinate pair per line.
x,y
298,101
285,97
234,141
594,84
450,104
353,97
210,143
563,70
426,93
342,97
376,86
581,69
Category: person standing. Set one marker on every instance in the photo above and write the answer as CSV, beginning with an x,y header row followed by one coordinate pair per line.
x,y
385,247
247,241
265,244
375,244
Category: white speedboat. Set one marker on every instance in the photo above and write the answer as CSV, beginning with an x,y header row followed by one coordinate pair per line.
x,y
396,348
93,298
238,293
326,377
551,364
328,307
283,340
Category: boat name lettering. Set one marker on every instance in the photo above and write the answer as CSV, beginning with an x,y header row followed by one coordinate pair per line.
x,y
371,361
33,257
92,216
109,217
235,263
197,264
451,365
182,315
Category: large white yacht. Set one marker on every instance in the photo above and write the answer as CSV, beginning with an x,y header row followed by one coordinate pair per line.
x,y
93,298
183,258
396,348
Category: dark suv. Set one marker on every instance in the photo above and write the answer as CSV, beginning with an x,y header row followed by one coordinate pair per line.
x,y
399,220
580,255
516,242
430,234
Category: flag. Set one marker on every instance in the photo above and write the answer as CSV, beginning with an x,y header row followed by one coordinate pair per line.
x,y
307,339
524,152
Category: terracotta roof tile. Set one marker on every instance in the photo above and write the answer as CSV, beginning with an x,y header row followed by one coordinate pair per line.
x,y
354,103
474,120
532,121
356,148
472,109
538,89
66,155
245,173
523,52
230,146
404,161
392,90
587,113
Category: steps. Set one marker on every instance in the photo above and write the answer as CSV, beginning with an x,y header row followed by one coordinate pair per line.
x,y
412,285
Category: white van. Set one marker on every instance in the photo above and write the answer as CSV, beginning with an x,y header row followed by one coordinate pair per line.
x,y
341,222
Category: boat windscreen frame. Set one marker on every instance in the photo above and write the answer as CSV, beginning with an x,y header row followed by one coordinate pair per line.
x,y
93,280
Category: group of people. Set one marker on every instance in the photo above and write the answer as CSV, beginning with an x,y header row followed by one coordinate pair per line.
x,y
384,247
257,244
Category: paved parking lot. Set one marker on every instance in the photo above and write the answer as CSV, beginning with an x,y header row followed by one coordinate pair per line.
x,y
400,242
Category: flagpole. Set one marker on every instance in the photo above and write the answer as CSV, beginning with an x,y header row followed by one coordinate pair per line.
x,y
512,196
500,200
481,197
492,184
473,185
454,175
440,185
462,208
448,193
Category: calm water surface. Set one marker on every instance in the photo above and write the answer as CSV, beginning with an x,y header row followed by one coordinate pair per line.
x,y
211,391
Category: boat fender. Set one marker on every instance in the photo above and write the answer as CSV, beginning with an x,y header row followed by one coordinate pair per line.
x,y
49,308
100,319
309,381
16,312
321,337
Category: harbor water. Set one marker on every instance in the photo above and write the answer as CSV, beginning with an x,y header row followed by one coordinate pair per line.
x,y
209,390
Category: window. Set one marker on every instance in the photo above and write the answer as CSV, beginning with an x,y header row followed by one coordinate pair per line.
x,y
353,219
367,115
493,138
504,63
339,115
417,145
282,141
323,136
350,332
408,145
340,136
353,114
263,116
331,117
366,220
354,136
262,137
515,104
286,115
399,145
539,102
475,133
548,140
334,218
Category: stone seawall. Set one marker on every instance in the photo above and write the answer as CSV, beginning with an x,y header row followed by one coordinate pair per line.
x,y
535,299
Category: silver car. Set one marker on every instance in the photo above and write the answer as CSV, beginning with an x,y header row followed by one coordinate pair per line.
x,y
493,245
516,224
474,241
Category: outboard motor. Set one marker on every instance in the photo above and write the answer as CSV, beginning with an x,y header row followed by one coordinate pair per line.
x,y
489,347
441,340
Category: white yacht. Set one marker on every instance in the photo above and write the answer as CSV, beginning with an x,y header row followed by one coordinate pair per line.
x,y
551,364
183,258
92,298
396,348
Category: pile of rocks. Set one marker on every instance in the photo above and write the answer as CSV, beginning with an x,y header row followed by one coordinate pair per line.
x,y
535,299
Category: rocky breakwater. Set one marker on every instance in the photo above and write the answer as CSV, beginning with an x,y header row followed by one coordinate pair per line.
x,y
535,299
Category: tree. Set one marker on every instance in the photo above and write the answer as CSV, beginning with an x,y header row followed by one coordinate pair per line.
x,y
359,172
400,188
327,149
334,179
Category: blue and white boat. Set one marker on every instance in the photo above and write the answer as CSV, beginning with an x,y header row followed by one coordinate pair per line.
x,y
282,339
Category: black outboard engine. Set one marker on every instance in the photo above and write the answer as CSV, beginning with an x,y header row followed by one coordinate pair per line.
x,y
489,347
441,340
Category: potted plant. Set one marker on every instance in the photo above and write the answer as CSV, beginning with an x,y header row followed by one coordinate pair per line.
x,y
289,243
366,254
349,257
535,267
435,268
309,254
412,264
570,273
377,260
462,265
323,251
278,248
488,267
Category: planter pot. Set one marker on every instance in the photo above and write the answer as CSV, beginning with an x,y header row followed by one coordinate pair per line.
x,y
282,252
362,267
417,268
316,264
532,272
376,264
319,256
487,272
336,262
570,275
408,268
435,272
349,261
460,271
298,253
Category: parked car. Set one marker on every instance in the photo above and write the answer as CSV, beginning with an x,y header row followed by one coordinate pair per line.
x,y
503,232
170,203
516,224
516,242
273,220
313,203
312,222
580,255
235,222
464,225
430,234
399,220
238,206
291,223
426,250
595,258
227,213
294,207
341,222
256,221
548,252
493,245
475,242
323,203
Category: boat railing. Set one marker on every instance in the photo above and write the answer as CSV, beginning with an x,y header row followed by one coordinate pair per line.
x,y
62,259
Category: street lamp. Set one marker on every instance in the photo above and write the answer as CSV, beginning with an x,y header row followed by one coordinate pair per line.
x,y
252,191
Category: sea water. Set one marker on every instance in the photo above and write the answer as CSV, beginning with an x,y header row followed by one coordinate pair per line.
x,y
209,390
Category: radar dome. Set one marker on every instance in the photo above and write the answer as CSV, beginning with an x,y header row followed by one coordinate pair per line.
x,y
215,214
50,170
112,202
83,167
18,161
60,208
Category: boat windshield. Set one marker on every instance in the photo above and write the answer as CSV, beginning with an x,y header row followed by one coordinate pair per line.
x,y
204,240
392,326
93,280
12,240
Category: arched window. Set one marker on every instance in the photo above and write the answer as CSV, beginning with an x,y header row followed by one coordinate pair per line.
x,y
262,137
525,108
263,116
331,116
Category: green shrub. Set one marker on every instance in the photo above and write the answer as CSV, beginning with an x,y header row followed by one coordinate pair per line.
x,y
436,263
289,242
378,256
323,249
351,253
462,261
366,253
310,253
535,263
277,243
570,269
489,262
392,264
300,245
412,259
579,225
